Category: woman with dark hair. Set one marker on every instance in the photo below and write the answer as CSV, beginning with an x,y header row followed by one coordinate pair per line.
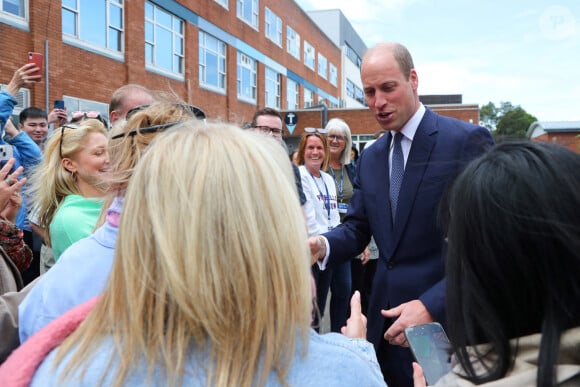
x,y
513,268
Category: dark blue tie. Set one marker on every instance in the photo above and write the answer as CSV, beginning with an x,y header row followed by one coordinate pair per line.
x,y
397,171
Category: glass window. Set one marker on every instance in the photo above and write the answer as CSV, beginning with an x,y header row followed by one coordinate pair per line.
x,y
273,88
333,75
248,11
292,42
164,40
355,92
96,22
273,27
309,54
247,78
212,61
353,56
308,97
292,94
13,8
322,66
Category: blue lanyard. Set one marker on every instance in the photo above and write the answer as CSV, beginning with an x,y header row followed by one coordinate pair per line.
x,y
320,192
341,185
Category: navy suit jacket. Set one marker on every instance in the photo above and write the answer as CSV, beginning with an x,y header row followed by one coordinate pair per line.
x,y
411,265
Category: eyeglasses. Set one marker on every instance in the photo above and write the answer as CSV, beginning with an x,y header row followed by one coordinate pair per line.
x,y
81,116
315,130
267,130
336,137
197,112
62,128
147,129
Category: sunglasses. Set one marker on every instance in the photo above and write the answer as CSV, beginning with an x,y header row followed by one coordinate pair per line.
x,y
197,112
62,128
147,129
315,130
267,130
79,116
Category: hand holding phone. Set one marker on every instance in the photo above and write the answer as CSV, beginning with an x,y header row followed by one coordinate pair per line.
x,y
431,348
36,58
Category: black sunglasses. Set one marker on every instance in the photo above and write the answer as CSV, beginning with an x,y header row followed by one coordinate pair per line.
x,y
69,126
147,129
197,112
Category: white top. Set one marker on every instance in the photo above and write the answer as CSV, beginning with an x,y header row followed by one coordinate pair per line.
x,y
321,205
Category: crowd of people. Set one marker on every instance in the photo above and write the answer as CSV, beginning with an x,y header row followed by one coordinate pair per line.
x,y
172,249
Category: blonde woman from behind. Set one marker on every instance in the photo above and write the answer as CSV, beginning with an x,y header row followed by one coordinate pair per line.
x,y
210,284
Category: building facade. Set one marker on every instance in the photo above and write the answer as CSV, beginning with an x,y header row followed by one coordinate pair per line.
x,y
228,57
340,31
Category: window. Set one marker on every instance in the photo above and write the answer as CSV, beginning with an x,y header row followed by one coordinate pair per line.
x,y
97,23
248,12
273,88
308,97
353,56
292,42
164,46
292,94
212,62
74,104
273,27
309,53
322,66
223,3
355,92
13,8
333,75
247,78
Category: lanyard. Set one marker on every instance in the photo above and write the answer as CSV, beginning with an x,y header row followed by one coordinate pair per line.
x,y
341,185
321,195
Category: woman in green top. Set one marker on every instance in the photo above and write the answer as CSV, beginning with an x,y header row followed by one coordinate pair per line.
x,y
68,187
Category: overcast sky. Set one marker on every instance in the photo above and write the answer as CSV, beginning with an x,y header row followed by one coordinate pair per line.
x,y
526,52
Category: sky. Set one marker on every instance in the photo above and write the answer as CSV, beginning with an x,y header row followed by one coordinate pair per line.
x,y
526,52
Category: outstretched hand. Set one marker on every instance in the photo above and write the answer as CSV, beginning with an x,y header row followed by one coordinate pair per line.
x,y
356,325
23,76
408,314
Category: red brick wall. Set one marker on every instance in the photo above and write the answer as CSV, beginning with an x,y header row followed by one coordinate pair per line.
x,y
569,140
83,74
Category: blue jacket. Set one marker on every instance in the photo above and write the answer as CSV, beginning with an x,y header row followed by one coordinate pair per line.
x,y
331,360
26,152
80,274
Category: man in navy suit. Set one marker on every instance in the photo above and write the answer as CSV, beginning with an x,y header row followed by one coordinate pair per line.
x,y
409,286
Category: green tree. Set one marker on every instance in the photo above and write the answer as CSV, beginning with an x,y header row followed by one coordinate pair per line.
x,y
488,116
514,123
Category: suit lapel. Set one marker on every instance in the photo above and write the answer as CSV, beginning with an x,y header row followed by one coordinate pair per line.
x,y
419,156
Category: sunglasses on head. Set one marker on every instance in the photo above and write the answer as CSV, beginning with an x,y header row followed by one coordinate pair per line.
x,y
62,128
197,112
315,130
147,129
80,116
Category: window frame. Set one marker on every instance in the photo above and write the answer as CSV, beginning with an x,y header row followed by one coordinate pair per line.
x,y
274,36
309,55
292,84
251,65
273,78
293,42
255,17
203,49
77,40
322,65
180,73
13,19
333,75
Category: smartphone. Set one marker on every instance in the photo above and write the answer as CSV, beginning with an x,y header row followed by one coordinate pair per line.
x,y
36,58
5,153
431,349
58,104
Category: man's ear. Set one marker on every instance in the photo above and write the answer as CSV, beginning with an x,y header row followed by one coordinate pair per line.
x,y
69,165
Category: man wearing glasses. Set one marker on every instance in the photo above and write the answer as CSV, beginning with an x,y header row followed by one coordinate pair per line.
x,y
269,122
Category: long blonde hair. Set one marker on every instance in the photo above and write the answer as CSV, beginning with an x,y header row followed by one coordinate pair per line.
x,y
211,254
50,181
126,149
